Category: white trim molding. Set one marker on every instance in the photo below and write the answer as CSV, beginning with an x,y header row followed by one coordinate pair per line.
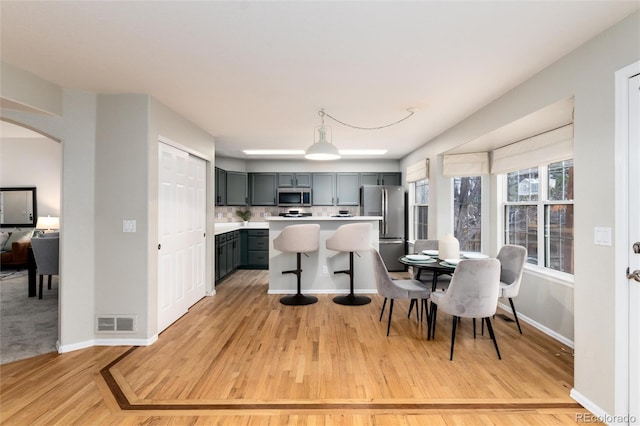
x,y
621,230
543,328
105,342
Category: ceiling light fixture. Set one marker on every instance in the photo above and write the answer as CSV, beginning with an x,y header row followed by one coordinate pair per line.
x,y
322,149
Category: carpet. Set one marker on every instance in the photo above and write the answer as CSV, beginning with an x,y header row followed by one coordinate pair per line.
x,y
28,325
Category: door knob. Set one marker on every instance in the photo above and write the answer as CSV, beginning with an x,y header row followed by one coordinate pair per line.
x,y
635,275
636,247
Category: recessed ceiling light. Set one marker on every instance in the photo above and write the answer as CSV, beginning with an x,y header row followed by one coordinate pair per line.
x,y
363,151
346,152
273,151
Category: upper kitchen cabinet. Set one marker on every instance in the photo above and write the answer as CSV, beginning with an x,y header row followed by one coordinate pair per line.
x,y
323,191
380,179
294,180
221,187
262,189
347,189
236,189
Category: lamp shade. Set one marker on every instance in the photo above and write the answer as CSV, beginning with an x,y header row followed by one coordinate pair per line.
x,y
48,222
322,150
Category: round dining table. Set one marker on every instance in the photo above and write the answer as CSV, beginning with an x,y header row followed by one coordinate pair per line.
x,y
436,266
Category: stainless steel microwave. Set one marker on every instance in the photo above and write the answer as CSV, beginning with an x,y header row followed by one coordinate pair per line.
x,y
293,197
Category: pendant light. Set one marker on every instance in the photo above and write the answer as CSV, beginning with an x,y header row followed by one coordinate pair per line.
x,y
322,149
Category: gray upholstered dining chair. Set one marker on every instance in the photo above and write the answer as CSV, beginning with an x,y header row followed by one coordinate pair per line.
x,y
512,259
298,239
473,293
425,276
46,252
396,289
420,245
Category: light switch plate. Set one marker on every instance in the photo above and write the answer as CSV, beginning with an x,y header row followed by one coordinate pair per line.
x,y
602,236
128,225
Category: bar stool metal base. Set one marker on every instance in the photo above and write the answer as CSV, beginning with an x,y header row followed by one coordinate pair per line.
x,y
298,300
352,300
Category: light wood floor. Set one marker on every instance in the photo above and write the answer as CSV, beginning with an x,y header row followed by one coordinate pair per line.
x,y
242,358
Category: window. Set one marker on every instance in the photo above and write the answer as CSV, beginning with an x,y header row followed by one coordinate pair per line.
x,y
420,209
467,212
539,214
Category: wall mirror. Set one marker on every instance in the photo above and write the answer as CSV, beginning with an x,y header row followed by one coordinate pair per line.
x,y
18,207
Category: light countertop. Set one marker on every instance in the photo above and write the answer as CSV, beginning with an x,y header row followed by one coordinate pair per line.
x,y
322,218
221,228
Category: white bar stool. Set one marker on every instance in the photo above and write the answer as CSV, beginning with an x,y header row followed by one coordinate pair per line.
x,y
351,238
298,239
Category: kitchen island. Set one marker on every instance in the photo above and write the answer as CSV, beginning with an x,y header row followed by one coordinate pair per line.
x,y
318,269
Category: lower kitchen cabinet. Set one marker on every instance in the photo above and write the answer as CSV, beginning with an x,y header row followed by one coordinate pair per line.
x,y
254,245
227,248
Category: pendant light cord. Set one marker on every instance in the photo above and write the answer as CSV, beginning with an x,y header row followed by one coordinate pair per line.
x,y
322,114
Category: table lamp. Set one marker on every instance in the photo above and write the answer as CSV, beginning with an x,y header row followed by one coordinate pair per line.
x,y
48,223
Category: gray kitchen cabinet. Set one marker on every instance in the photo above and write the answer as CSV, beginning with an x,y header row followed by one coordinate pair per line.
x,y
294,180
347,189
323,192
233,251
236,193
221,187
227,246
254,245
262,189
221,256
390,178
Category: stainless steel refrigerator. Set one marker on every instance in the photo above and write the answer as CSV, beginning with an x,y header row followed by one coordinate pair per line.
x,y
388,202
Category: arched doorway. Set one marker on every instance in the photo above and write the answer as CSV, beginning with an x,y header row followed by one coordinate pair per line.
x,y
29,324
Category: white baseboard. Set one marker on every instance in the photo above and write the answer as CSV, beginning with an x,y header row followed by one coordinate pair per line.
x,y
74,346
599,415
105,342
546,330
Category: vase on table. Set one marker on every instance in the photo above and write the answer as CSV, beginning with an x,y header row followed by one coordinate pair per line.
x,y
448,247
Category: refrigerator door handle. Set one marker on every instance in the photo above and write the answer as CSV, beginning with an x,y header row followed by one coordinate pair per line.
x,y
385,197
390,241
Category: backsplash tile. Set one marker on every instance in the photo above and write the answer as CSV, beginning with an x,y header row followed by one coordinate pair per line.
x,y
227,214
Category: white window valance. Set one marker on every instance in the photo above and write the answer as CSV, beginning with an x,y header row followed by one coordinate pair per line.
x,y
473,164
418,171
554,145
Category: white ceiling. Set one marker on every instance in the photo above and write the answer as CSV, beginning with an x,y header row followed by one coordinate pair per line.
x,y
255,73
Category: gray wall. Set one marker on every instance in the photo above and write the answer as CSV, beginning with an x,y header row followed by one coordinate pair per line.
x,y
76,129
109,173
33,162
588,75
129,130
121,188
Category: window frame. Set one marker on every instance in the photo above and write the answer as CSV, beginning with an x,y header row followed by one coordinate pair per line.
x,y
412,208
541,208
483,208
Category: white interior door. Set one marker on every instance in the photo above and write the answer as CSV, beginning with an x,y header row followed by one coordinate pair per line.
x,y
634,258
196,229
181,225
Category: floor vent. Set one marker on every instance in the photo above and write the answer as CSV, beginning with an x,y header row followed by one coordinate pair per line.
x,y
115,324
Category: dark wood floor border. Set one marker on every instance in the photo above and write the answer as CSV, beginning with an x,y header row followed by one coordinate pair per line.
x,y
126,405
